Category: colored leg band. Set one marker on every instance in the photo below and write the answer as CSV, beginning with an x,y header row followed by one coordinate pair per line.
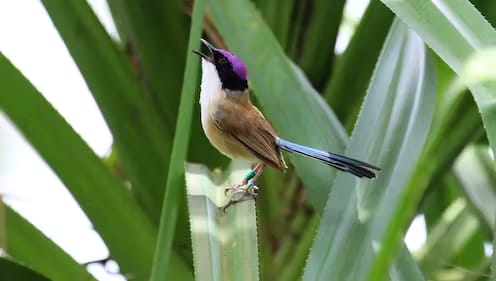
x,y
250,175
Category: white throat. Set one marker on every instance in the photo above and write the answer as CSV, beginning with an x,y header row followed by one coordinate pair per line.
x,y
210,84
210,91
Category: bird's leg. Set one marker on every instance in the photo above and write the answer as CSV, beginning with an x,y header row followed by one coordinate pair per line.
x,y
254,174
258,171
247,187
248,183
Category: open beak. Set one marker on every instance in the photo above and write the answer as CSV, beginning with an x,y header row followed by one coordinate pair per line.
x,y
208,50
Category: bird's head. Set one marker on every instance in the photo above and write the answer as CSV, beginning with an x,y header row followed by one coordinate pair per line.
x,y
231,70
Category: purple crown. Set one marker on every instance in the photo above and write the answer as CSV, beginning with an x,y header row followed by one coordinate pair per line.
x,y
238,66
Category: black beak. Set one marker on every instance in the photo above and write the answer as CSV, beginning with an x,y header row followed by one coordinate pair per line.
x,y
208,52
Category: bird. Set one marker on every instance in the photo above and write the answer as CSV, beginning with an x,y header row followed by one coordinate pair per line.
x,y
239,130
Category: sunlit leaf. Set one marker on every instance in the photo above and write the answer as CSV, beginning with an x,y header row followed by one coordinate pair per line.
x,y
143,142
224,243
101,195
455,30
25,243
390,132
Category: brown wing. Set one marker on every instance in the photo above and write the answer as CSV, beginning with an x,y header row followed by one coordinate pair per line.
x,y
246,124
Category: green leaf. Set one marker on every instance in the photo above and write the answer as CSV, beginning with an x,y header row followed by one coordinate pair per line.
x,y
456,123
453,231
438,199
493,259
175,180
390,131
461,274
352,71
140,137
475,170
286,97
148,26
277,14
296,32
9,270
455,30
487,8
224,244
319,38
294,267
106,202
29,246
3,226
480,68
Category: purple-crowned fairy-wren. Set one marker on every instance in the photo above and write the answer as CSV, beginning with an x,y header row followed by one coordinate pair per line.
x,y
239,130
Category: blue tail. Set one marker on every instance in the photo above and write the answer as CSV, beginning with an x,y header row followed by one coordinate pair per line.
x,y
342,163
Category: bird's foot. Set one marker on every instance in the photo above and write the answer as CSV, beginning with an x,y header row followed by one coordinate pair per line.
x,y
249,188
239,193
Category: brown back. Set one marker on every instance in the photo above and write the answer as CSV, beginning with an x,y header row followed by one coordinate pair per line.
x,y
237,117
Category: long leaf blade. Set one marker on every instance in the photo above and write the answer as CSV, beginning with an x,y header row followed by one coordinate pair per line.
x,y
390,131
148,27
319,39
455,30
103,198
25,243
143,143
224,243
348,84
175,180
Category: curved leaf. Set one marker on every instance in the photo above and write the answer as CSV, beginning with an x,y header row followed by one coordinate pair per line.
x,y
25,243
390,132
142,141
455,30
106,202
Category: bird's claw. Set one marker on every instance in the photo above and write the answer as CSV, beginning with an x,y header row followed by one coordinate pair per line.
x,y
249,188
232,188
239,193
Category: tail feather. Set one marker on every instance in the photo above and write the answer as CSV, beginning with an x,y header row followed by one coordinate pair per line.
x,y
342,163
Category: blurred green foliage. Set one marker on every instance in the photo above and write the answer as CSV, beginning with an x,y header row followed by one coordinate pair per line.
x,y
431,139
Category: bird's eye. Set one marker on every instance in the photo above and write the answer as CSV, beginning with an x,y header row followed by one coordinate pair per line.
x,y
222,60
